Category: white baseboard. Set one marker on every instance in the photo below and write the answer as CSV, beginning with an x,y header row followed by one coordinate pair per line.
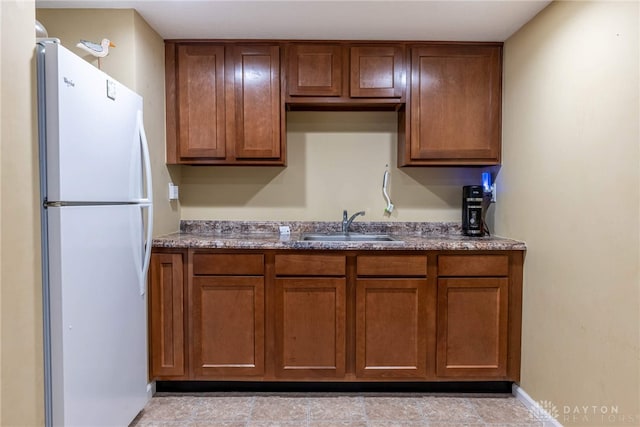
x,y
151,389
541,413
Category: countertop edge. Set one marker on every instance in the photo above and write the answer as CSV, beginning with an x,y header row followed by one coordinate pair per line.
x,y
410,243
264,235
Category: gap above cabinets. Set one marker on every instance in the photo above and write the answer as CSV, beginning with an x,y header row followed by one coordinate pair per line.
x,y
227,100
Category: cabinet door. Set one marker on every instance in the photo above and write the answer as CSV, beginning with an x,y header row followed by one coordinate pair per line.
x,y
314,70
391,328
472,327
257,102
455,106
227,326
377,72
166,315
310,327
201,102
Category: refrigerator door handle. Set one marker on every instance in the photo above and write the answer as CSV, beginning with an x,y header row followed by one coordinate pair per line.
x,y
147,249
146,202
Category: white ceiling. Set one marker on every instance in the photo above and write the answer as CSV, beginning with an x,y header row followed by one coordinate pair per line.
x,y
470,20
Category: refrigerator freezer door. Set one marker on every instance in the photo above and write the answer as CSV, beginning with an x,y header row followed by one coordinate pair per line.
x,y
98,317
92,140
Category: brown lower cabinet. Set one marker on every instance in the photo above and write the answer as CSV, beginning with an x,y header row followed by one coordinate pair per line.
x,y
390,328
227,323
391,317
335,316
310,316
226,314
310,327
167,315
472,327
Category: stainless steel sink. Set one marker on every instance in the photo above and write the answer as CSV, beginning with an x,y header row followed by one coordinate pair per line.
x,y
350,237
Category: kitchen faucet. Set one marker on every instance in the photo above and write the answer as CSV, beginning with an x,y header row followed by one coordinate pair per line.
x,y
346,223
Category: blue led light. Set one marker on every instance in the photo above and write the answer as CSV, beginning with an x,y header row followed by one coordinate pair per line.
x,y
486,182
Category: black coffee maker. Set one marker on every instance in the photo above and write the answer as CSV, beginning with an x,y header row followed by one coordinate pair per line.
x,y
473,210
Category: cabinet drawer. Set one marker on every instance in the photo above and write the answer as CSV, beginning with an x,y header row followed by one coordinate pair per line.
x,y
310,265
473,265
392,265
228,264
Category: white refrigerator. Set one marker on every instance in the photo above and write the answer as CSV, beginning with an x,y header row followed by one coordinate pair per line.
x,y
96,231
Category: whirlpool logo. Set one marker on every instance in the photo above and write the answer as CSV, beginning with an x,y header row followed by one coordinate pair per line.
x,y
69,82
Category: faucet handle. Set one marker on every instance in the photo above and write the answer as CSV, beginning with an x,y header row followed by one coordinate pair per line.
x,y
345,215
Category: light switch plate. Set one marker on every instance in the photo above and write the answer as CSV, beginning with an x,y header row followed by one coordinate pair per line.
x,y
111,89
173,191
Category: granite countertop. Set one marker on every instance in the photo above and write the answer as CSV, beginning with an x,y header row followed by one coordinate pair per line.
x,y
265,235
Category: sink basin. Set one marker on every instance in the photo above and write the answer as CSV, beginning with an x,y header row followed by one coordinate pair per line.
x,y
350,237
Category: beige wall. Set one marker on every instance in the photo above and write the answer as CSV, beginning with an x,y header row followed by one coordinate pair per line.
x,y
570,187
20,284
336,161
72,25
138,62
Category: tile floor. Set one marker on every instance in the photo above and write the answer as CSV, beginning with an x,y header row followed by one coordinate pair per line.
x,y
333,410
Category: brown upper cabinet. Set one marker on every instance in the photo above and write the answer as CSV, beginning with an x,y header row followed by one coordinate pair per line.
x,y
454,113
350,76
226,100
224,104
314,70
200,102
377,72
